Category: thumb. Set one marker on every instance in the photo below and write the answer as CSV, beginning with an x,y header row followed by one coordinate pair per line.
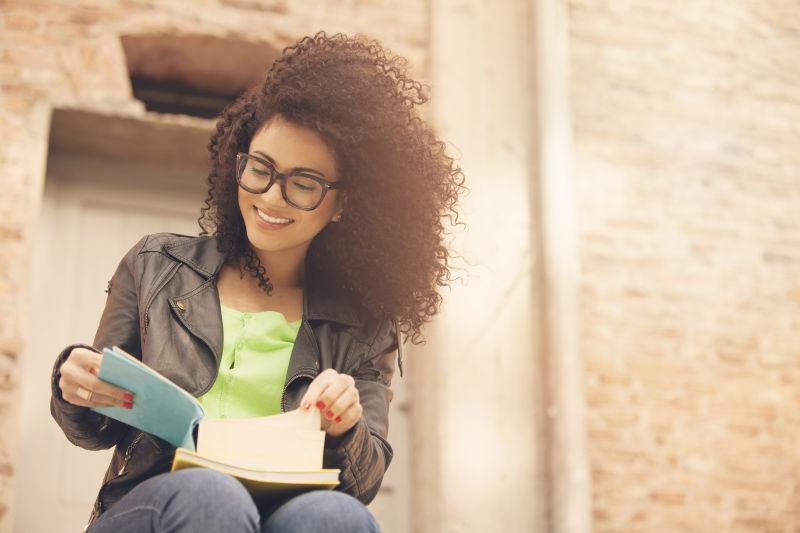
x,y
94,363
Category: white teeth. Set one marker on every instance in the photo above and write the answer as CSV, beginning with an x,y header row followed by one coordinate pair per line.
x,y
274,220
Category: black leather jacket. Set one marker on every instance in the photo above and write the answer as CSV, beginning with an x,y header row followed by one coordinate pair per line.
x,y
163,303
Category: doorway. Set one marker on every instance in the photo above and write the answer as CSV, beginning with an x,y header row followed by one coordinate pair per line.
x,y
109,181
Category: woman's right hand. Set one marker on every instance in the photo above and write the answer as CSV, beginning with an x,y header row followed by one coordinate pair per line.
x,y
80,370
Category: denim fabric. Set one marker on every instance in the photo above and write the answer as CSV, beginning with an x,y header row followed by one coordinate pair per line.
x,y
197,500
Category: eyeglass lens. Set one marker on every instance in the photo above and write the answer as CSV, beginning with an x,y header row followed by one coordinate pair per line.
x,y
300,190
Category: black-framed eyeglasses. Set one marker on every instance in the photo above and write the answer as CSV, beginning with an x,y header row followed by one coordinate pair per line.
x,y
300,189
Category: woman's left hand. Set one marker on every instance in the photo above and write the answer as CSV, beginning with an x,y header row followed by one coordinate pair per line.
x,y
336,397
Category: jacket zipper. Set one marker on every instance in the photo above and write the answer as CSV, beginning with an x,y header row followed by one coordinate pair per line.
x,y
129,453
99,506
167,276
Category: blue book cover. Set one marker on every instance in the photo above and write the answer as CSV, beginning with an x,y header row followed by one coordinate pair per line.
x,y
160,407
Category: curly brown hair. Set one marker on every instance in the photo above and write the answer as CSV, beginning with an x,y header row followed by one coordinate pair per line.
x,y
388,251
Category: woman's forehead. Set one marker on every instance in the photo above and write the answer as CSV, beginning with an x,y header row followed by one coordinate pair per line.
x,y
291,146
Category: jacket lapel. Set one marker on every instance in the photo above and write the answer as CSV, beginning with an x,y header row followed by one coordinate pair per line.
x,y
199,312
320,302
197,307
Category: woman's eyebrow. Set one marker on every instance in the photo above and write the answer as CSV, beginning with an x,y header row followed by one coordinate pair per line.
x,y
303,169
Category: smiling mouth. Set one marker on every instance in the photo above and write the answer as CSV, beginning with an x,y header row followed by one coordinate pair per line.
x,y
272,220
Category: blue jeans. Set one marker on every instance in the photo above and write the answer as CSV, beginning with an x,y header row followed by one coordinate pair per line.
x,y
196,500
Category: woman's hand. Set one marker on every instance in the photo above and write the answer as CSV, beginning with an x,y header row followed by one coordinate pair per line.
x,y
336,397
80,370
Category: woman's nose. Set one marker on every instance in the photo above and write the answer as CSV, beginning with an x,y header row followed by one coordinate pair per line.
x,y
274,196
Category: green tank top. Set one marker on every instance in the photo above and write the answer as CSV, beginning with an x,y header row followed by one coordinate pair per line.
x,y
255,358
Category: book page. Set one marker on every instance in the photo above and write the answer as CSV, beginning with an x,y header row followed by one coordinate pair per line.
x,y
297,419
288,441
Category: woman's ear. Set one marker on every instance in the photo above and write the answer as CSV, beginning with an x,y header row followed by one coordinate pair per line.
x,y
341,200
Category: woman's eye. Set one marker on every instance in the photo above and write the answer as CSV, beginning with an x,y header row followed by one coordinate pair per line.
x,y
305,185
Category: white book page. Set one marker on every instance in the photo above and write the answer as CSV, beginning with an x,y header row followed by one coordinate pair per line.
x,y
288,441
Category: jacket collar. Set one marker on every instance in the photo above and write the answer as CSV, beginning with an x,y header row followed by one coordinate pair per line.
x,y
203,256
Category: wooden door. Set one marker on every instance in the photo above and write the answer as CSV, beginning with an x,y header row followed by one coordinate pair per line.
x,y
83,233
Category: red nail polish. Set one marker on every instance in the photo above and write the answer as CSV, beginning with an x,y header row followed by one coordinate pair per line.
x,y
320,406
338,419
128,405
129,397
329,414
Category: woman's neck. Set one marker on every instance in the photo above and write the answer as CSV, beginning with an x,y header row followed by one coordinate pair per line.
x,y
285,269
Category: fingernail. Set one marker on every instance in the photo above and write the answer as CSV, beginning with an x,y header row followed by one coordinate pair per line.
x,y
129,396
338,419
320,406
306,406
128,405
329,414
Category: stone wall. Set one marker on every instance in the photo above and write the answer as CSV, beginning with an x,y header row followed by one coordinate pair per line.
x,y
68,53
686,153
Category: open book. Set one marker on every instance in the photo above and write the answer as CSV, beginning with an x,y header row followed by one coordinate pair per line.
x,y
268,454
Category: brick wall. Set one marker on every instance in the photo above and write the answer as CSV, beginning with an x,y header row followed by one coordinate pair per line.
x,y
67,53
686,133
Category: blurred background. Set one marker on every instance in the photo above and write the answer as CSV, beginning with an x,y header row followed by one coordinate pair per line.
x,y
622,350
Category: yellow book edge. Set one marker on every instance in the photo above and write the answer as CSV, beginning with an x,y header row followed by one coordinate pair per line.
x,y
259,480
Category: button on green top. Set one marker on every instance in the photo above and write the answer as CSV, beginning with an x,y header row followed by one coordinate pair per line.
x,y
255,357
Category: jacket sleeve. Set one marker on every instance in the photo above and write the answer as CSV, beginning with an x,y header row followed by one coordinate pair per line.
x,y
119,325
363,453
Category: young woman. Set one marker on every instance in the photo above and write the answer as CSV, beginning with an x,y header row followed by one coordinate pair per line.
x,y
321,244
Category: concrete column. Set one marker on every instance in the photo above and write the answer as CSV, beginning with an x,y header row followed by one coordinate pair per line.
x,y
497,402
478,393
555,235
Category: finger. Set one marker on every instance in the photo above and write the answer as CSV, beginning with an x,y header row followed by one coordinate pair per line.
x,y
349,417
348,398
85,358
335,389
324,422
112,400
88,360
99,386
76,376
98,400
69,391
95,360
311,397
